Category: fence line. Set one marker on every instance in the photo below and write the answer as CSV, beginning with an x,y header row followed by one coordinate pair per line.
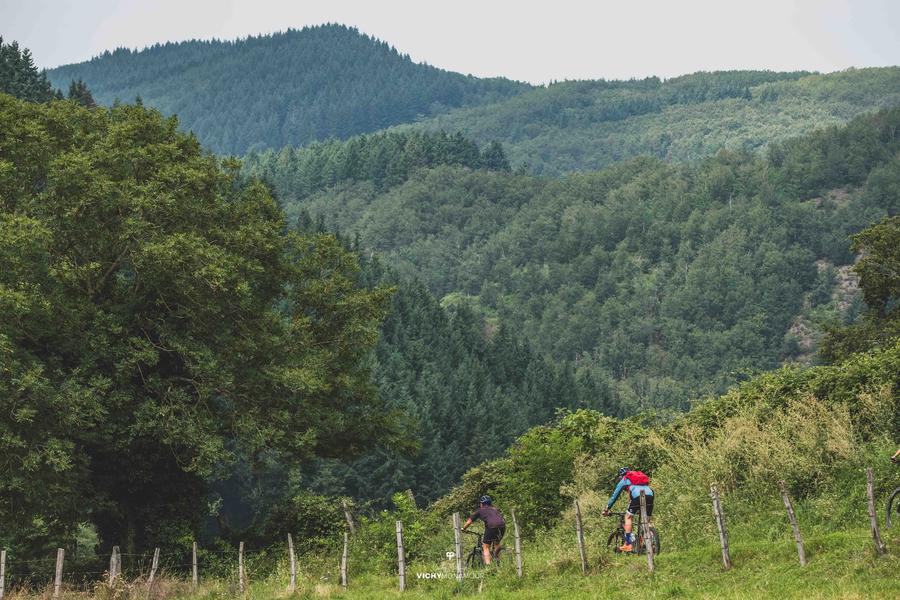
x,y
9,576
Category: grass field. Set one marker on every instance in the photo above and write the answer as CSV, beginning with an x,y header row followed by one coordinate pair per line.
x,y
842,564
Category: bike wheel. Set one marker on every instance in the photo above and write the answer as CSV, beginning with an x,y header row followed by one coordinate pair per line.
x,y
475,560
641,547
616,539
893,503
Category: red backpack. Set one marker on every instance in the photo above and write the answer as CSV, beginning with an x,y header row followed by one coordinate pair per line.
x,y
637,478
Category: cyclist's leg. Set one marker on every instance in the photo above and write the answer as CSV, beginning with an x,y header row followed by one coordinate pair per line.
x,y
634,507
629,522
490,537
498,543
486,553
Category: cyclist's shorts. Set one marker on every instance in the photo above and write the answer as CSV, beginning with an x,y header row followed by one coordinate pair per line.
x,y
493,534
635,507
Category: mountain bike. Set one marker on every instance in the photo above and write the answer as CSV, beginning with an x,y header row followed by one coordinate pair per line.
x,y
617,537
475,558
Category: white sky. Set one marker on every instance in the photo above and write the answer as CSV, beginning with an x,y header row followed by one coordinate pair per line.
x,y
526,40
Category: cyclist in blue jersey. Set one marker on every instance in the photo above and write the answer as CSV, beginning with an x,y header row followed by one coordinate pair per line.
x,y
635,482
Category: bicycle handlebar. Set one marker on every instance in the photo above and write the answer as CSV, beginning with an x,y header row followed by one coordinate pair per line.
x,y
471,532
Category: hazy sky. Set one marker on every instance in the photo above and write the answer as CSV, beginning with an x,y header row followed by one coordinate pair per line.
x,y
532,41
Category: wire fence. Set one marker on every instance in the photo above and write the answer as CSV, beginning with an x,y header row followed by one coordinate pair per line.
x,y
84,574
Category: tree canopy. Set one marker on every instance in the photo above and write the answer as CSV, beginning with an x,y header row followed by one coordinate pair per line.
x,y
159,324
663,282
588,125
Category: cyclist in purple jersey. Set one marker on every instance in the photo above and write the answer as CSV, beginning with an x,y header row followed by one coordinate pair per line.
x,y
494,527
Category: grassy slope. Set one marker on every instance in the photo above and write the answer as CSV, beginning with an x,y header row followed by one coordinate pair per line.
x,y
574,136
841,565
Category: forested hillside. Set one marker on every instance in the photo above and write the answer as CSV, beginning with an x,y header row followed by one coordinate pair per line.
x,y
662,282
282,89
199,350
467,390
584,125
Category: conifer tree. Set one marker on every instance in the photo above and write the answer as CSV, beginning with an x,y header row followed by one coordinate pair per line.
x,y
80,93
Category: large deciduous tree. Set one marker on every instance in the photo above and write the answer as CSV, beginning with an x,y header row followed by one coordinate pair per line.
x,y
158,324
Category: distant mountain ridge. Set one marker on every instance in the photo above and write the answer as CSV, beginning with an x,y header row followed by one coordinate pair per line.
x,y
289,88
588,125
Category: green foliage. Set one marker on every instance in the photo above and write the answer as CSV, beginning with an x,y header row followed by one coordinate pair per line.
x,y
877,269
314,521
80,93
538,465
813,428
385,160
586,125
294,87
661,282
19,76
158,325
467,389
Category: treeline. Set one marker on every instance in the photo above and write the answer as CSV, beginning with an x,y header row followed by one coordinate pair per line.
x,y
287,88
385,160
663,282
586,125
20,78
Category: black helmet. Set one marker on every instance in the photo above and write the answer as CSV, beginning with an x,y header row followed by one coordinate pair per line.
x,y
485,499
622,471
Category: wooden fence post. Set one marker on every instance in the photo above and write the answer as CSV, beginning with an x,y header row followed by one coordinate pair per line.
x,y
720,521
195,579
794,525
57,581
2,572
401,556
873,516
580,531
648,539
348,517
115,565
344,556
457,546
293,558
241,585
153,568
518,546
